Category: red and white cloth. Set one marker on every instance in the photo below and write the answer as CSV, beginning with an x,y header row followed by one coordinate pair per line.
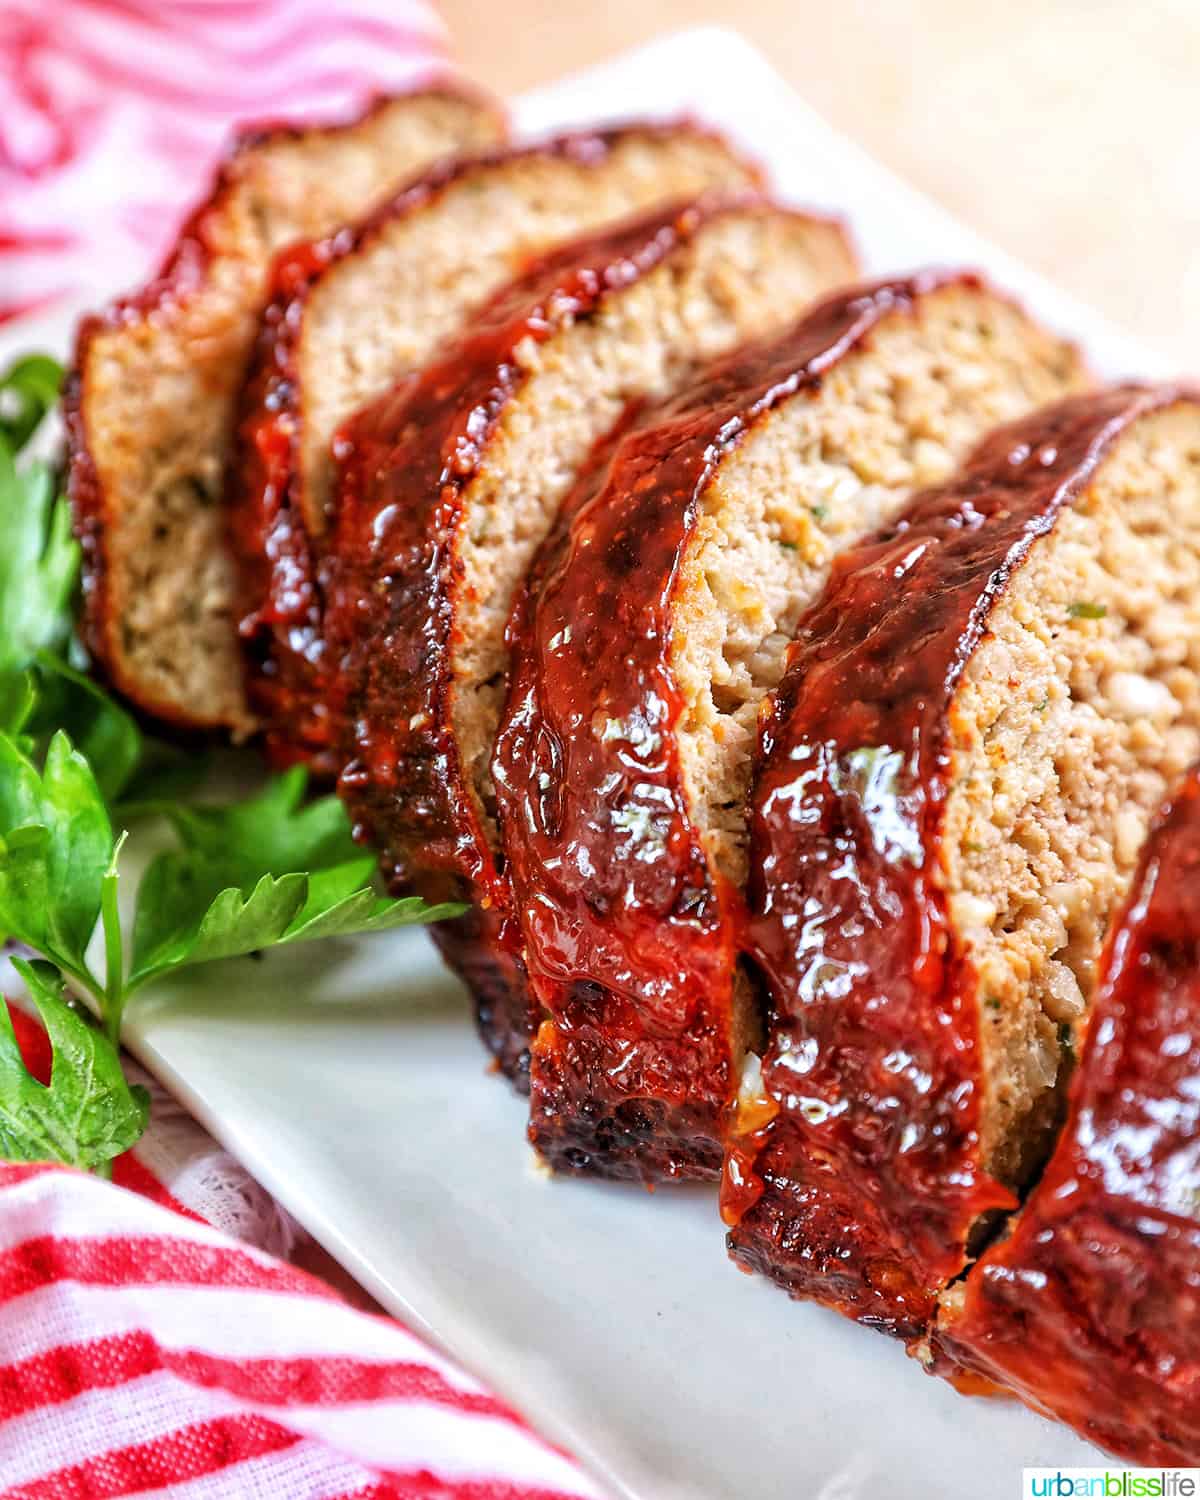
x,y
143,1352
150,1341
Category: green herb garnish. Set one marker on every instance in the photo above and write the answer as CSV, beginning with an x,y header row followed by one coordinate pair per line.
x,y
28,390
1084,610
38,566
74,768
88,1113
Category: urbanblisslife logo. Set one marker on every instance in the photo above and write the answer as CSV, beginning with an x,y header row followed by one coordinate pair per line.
x,y
1111,1484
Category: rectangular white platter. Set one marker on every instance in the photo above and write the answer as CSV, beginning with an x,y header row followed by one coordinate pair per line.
x,y
349,1081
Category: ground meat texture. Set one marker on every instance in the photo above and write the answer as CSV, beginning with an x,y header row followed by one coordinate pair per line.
x,y
452,481
654,631
976,723
150,403
1090,1307
354,313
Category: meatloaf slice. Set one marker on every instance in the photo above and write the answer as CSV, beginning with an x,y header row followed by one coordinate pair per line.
x,y
452,481
353,314
150,404
977,721
1090,1308
624,760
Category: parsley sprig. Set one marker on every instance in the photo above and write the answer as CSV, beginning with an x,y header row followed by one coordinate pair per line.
x,y
75,768
87,1114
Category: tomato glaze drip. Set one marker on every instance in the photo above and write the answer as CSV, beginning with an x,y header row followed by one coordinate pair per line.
x,y
1090,1309
863,1189
631,938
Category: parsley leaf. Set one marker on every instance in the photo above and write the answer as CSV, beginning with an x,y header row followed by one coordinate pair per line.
x,y
28,389
272,833
342,902
189,913
101,730
163,774
241,882
38,564
18,700
56,842
88,1113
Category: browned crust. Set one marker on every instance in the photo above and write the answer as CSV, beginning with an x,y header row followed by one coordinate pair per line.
x,y
893,1151
281,643
479,948
1090,1308
183,271
634,1070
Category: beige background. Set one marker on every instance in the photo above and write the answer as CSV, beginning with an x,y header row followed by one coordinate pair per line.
x,y
1067,130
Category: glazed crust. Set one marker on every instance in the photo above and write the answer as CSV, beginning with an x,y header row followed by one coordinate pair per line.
x,y
845,886
279,611
1090,1308
392,586
274,533
183,276
633,949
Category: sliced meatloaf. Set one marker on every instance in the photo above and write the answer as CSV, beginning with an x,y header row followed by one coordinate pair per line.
x,y
353,314
656,628
1090,1308
451,482
977,721
150,404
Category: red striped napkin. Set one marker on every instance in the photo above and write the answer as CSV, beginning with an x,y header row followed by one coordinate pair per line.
x,y
149,1343
142,1352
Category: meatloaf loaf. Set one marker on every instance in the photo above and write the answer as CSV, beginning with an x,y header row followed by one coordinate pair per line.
x,y
977,721
452,481
661,621
150,404
1090,1308
352,314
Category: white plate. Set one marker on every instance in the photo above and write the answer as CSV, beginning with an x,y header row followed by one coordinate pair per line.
x,y
348,1079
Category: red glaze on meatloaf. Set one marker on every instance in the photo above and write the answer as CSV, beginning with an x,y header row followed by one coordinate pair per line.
x,y
272,524
863,1186
631,932
1090,1308
390,577
395,583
